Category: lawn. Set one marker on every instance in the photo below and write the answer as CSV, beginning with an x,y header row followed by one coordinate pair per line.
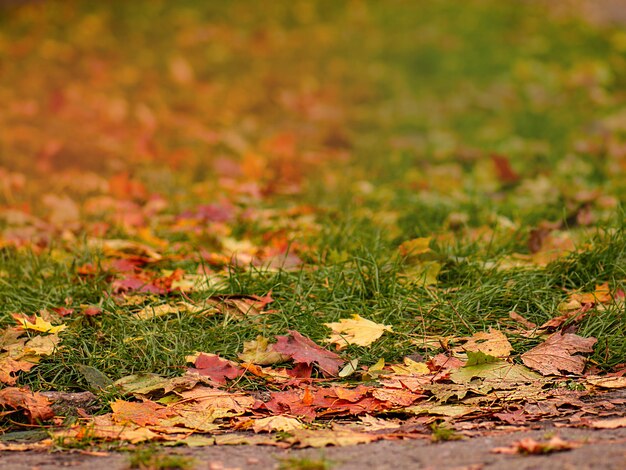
x,y
190,177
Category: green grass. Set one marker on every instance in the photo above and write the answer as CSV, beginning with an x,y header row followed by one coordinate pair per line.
x,y
455,84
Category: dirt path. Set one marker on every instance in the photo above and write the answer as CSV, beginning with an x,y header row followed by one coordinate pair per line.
x,y
599,450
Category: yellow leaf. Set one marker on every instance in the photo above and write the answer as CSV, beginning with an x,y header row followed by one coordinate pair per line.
x,y
39,325
260,352
417,246
41,345
494,343
356,330
276,423
411,367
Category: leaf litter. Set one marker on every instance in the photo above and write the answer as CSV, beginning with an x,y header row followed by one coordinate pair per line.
x,y
158,248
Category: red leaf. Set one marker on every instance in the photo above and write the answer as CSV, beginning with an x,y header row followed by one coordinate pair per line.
x,y
302,350
92,311
216,368
63,311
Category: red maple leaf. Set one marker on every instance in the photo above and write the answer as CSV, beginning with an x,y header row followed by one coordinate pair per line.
x,y
216,368
302,350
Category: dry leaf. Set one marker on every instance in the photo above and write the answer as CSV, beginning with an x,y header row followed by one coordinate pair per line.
x,y
34,405
557,354
607,382
302,350
276,423
494,343
609,423
260,352
530,446
356,330
328,437
411,367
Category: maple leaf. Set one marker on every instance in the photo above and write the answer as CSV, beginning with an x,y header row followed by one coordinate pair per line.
x,y
494,343
557,354
216,368
221,402
602,294
530,446
142,414
609,423
329,437
302,350
293,402
38,325
260,352
356,330
497,372
146,384
607,382
276,423
34,405
415,247
411,367
9,367
126,249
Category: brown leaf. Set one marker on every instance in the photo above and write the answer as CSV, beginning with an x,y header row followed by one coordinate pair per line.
x,y
504,171
607,382
521,320
530,446
302,350
34,405
609,423
556,354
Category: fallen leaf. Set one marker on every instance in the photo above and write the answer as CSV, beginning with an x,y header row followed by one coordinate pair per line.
x,y
493,343
302,350
145,384
607,382
216,368
329,437
609,423
276,423
530,446
356,330
497,373
410,367
602,294
142,414
41,345
125,249
521,320
431,408
557,354
34,405
414,247
9,368
39,325
260,352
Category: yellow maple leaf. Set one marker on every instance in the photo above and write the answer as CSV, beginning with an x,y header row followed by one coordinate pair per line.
x,y
356,330
277,423
411,367
260,352
39,325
